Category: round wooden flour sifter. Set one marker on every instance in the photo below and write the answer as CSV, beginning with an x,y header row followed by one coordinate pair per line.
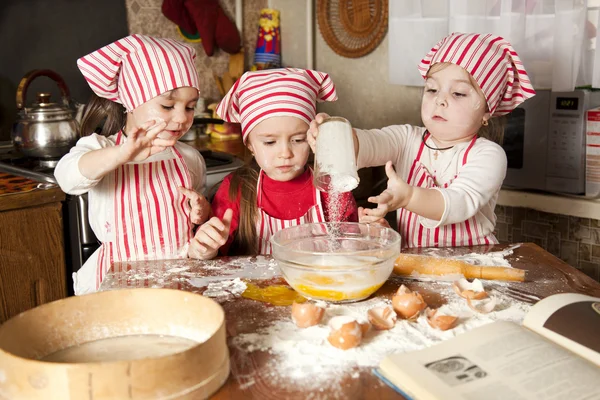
x,y
194,373
353,28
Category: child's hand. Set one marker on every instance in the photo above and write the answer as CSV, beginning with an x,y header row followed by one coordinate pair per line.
x,y
376,217
397,195
144,142
200,206
313,130
210,237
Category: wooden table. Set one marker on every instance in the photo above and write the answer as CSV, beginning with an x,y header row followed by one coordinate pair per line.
x,y
546,275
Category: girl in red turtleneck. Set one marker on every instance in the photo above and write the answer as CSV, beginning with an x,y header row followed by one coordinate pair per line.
x,y
275,190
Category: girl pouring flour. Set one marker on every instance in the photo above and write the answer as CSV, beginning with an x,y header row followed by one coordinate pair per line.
x,y
444,178
143,185
276,189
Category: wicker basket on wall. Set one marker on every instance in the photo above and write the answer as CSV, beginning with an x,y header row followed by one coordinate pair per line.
x,y
352,28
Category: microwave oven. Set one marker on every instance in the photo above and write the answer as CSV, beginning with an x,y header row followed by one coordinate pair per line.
x,y
544,141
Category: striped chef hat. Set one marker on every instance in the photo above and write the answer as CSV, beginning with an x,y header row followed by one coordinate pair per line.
x,y
138,68
492,62
259,95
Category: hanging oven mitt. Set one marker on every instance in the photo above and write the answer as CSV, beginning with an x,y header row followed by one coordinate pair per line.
x,y
207,18
176,12
227,34
214,26
204,13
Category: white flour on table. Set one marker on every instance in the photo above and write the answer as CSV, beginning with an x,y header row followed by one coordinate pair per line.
x,y
493,258
305,357
161,275
225,290
259,267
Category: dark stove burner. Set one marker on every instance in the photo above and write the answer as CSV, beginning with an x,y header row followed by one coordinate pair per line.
x,y
214,159
30,164
39,170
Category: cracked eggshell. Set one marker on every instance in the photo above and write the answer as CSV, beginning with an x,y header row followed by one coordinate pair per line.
x,y
382,318
469,290
408,304
482,306
306,314
441,322
346,332
338,321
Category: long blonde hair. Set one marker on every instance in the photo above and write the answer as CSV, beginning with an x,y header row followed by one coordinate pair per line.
x,y
494,130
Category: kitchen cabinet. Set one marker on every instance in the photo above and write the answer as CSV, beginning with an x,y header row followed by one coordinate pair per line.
x,y
32,257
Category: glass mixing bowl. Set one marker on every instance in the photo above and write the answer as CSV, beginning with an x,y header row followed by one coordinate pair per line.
x,y
336,262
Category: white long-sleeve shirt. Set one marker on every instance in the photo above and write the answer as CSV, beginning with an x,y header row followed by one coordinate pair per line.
x,y
474,186
100,191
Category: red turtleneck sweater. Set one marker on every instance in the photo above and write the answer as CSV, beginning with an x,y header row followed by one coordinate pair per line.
x,y
282,200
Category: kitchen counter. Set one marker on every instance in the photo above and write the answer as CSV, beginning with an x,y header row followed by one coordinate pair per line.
x,y
260,373
19,192
32,257
575,206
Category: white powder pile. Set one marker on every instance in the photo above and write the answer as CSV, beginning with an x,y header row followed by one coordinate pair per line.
x,y
173,271
493,258
160,276
225,290
258,267
304,357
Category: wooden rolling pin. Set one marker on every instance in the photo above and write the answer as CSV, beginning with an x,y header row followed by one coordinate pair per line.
x,y
406,264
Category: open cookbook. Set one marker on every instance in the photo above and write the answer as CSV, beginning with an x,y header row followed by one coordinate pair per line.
x,y
555,354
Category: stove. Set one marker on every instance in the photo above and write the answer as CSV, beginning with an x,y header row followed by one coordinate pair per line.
x,y
79,239
15,163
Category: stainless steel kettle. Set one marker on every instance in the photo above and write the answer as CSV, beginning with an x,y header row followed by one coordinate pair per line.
x,y
45,130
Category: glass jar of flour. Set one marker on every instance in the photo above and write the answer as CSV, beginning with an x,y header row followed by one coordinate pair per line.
x,y
335,161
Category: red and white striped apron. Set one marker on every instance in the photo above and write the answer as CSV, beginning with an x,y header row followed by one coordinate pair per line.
x,y
151,217
466,233
266,225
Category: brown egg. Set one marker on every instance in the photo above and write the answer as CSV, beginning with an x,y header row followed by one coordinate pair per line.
x,y
441,322
306,314
382,318
346,332
408,304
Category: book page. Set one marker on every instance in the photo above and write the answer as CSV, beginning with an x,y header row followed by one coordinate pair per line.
x,y
501,360
570,320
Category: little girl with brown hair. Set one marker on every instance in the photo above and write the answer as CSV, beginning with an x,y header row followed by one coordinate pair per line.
x,y
143,185
275,190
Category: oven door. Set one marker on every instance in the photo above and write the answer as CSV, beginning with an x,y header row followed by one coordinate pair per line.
x,y
218,166
80,240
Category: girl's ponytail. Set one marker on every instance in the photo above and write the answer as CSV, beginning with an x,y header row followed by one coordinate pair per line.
x,y
102,116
